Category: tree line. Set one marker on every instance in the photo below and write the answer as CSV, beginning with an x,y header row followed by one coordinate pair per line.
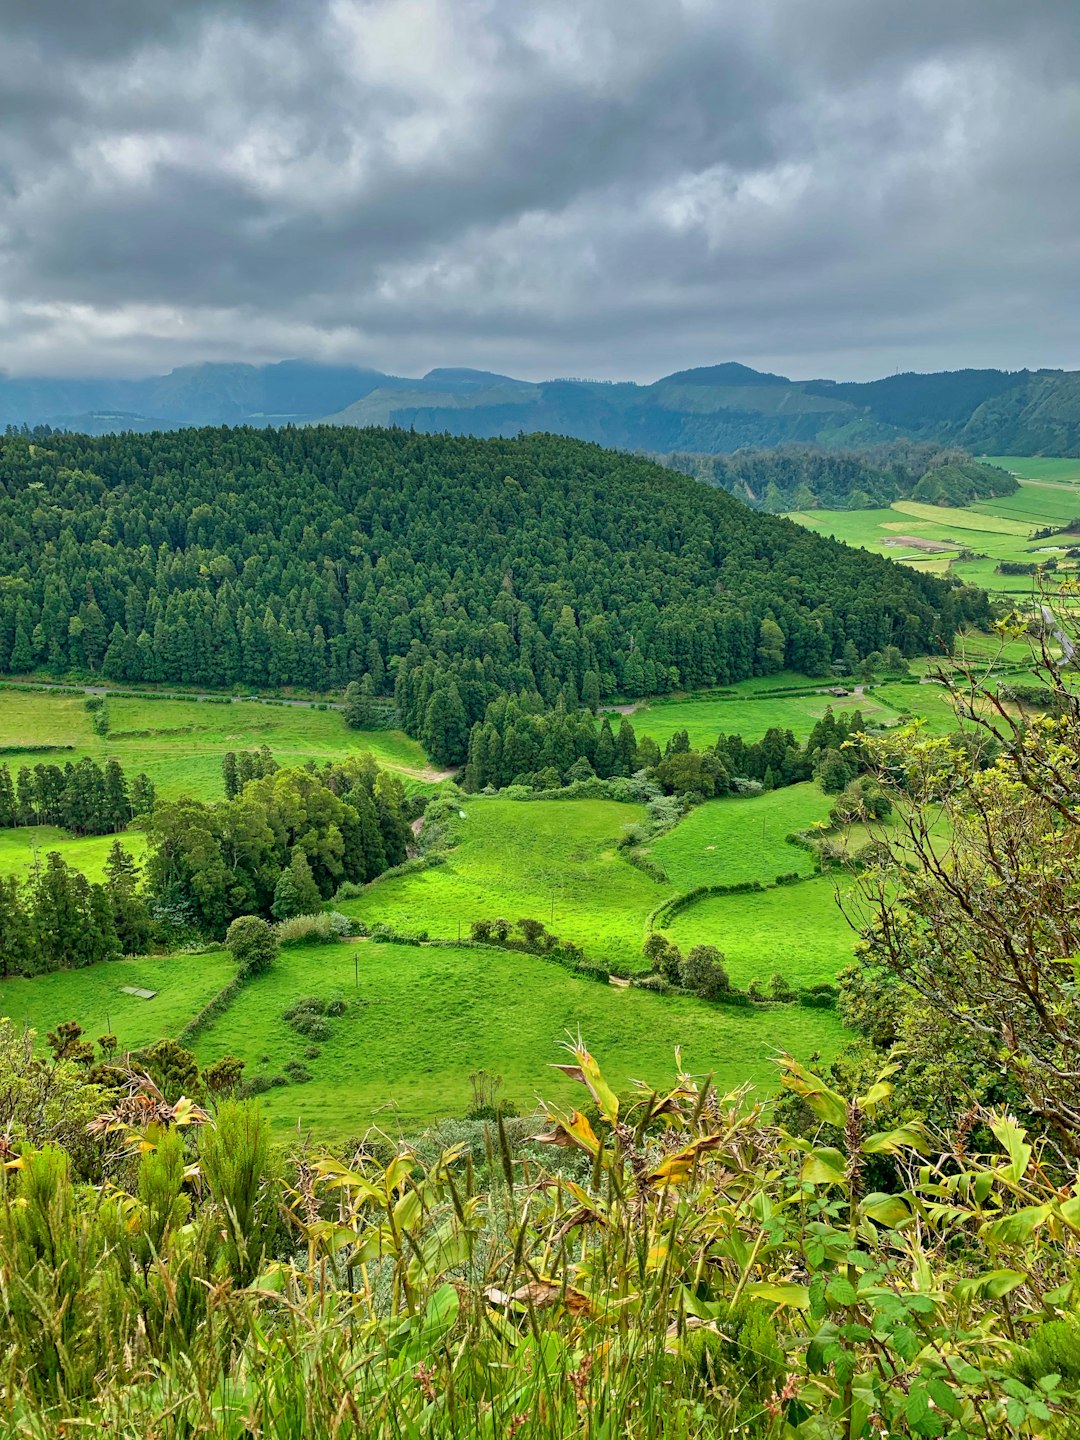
x,y
81,796
520,743
461,568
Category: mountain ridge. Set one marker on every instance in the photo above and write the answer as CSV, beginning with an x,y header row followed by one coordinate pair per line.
x,y
714,409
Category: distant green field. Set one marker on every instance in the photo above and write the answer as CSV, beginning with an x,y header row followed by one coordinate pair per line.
x,y
1038,467
426,1016
726,842
180,743
994,530
797,930
18,849
94,996
750,716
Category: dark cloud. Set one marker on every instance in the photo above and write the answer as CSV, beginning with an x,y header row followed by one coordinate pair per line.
x,y
617,187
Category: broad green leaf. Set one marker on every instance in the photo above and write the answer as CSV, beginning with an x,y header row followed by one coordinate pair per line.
x,y
824,1166
781,1292
1017,1228
1013,1140
887,1210
991,1286
825,1103
841,1291
891,1142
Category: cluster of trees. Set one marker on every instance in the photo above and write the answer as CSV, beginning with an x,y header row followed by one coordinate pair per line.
x,y
520,743
281,846
808,477
314,557
238,767
81,796
56,919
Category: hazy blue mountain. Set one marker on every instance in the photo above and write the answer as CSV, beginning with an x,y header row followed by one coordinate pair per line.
x,y
714,409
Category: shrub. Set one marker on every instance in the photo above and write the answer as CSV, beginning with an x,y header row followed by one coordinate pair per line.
x,y
298,1073
252,944
780,990
324,928
702,972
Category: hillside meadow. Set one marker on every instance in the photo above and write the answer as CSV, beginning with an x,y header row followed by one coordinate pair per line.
x,y
180,744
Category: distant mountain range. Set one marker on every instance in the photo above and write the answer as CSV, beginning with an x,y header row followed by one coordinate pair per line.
x,y
714,410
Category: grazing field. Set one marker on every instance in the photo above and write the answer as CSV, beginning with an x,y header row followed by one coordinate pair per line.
x,y
427,1016
992,531
1038,467
180,743
549,860
94,996
748,715
20,848
797,930
726,842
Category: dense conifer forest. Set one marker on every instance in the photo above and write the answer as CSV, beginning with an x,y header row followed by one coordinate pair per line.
x,y
454,568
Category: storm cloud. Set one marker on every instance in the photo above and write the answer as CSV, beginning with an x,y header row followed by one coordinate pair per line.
x,y
614,188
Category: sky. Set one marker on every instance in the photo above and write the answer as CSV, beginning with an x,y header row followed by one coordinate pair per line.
x,y
606,188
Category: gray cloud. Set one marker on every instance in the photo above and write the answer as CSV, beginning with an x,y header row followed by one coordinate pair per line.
x,y
609,187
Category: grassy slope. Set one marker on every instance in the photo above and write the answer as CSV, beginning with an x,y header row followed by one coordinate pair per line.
x,y
180,743
725,842
748,715
94,997
427,1016
88,853
795,929
512,859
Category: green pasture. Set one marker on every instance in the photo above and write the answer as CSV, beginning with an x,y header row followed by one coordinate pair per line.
x,y
750,715
728,841
1038,467
20,848
549,860
180,743
95,998
425,1016
797,930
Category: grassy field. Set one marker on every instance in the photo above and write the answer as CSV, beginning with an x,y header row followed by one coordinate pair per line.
x,y
94,996
745,714
797,930
19,848
426,1016
549,860
726,842
180,743
1038,467
422,1019
994,530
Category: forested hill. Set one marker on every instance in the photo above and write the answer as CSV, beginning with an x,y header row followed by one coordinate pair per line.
x,y
805,477
313,556
713,410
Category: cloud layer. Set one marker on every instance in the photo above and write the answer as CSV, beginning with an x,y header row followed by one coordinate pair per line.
x,y
603,187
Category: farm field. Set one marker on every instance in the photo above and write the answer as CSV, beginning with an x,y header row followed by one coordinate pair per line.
x,y
94,996
797,930
422,1019
748,715
729,841
180,743
88,853
996,530
427,1016
1038,467
549,860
